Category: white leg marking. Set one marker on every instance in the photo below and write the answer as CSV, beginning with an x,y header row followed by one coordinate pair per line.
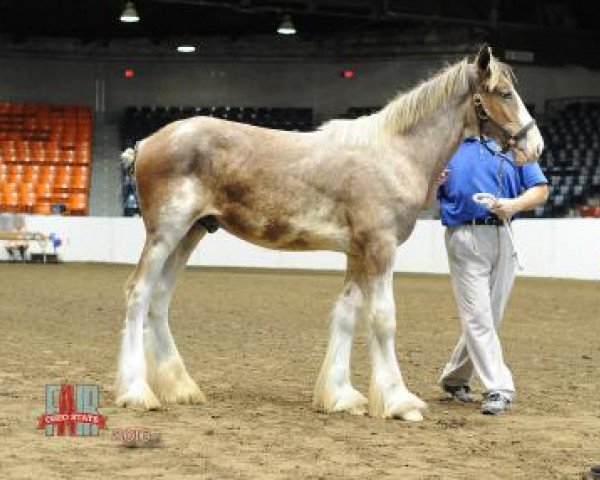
x,y
167,374
334,391
132,388
388,395
132,377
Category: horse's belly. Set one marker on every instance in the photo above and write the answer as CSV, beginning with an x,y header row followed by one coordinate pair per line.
x,y
300,232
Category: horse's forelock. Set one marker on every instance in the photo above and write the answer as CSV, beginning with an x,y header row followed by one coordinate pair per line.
x,y
500,71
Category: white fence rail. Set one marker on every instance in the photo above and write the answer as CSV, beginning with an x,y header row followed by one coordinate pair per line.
x,y
563,248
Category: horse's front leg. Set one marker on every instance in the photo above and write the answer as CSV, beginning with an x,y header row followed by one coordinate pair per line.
x,y
334,391
388,395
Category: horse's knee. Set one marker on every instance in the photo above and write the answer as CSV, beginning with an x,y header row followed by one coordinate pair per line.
x,y
159,302
137,299
382,317
346,307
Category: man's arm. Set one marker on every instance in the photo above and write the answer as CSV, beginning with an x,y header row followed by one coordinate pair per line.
x,y
531,198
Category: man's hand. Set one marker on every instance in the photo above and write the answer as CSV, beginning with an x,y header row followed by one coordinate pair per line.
x,y
442,178
528,200
505,208
437,183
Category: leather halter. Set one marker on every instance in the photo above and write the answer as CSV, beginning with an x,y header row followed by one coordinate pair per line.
x,y
483,116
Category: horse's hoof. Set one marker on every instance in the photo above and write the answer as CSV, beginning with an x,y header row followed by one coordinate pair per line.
x,y
347,400
412,416
396,403
141,396
190,394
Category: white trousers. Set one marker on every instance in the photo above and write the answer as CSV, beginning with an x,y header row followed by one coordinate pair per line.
x,y
483,271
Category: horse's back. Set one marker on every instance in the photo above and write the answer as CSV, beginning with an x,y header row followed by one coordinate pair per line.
x,y
278,189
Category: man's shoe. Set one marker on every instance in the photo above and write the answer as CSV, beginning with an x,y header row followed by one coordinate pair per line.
x,y
494,404
460,393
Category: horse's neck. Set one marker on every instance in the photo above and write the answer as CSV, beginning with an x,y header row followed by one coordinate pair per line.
x,y
432,142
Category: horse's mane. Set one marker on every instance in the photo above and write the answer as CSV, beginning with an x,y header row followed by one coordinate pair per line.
x,y
407,109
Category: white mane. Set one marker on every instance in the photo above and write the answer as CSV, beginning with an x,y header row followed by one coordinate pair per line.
x,y
404,111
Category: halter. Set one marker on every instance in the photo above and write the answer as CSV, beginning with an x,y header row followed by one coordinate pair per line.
x,y
483,116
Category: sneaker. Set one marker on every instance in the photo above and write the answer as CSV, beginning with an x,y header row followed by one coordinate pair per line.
x,y
460,393
494,404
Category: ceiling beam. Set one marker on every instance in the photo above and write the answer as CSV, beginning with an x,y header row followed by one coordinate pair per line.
x,y
379,11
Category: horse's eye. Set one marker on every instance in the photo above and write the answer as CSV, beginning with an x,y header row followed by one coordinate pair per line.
x,y
506,94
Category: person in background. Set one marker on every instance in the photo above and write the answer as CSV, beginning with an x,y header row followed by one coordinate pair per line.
x,y
16,249
482,267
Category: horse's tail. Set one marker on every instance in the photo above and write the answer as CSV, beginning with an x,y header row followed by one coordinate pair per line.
x,y
128,158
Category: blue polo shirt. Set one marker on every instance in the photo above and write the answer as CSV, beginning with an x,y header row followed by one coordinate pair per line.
x,y
474,169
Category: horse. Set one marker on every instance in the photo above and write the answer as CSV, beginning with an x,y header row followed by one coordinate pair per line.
x,y
351,186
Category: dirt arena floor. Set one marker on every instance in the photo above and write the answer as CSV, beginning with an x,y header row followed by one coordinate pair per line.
x,y
254,342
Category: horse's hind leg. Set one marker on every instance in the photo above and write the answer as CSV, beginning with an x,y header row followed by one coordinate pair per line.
x,y
132,385
167,374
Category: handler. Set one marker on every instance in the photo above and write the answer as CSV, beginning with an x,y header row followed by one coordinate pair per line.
x,y
16,248
481,263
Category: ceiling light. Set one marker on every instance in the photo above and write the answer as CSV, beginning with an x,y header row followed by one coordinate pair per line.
x,y
130,14
286,27
186,48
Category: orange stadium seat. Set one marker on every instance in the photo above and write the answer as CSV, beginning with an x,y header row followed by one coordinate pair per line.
x,y
79,184
47,173
15,178
15,169
9,157
78,204
52,156
27,197
81,171
10,198
43,191
64,171
45,152
32,173
42,208
61,184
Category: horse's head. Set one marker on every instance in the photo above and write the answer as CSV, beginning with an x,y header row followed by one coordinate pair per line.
x,y
499,112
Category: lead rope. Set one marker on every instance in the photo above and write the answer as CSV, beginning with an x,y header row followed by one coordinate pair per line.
x,y
508,221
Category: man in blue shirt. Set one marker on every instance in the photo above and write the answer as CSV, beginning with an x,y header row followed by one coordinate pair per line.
x,y
481,263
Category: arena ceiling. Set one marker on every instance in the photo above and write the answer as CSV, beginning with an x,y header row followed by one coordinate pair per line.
x,y
560,31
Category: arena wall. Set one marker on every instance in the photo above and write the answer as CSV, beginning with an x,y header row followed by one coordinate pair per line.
x,y
563,248
99,83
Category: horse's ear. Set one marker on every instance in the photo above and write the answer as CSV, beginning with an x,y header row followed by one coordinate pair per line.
x,y
484,57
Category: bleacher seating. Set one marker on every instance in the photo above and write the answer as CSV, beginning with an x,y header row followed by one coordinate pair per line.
x,y
355,112
571,161
45,153
139,122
